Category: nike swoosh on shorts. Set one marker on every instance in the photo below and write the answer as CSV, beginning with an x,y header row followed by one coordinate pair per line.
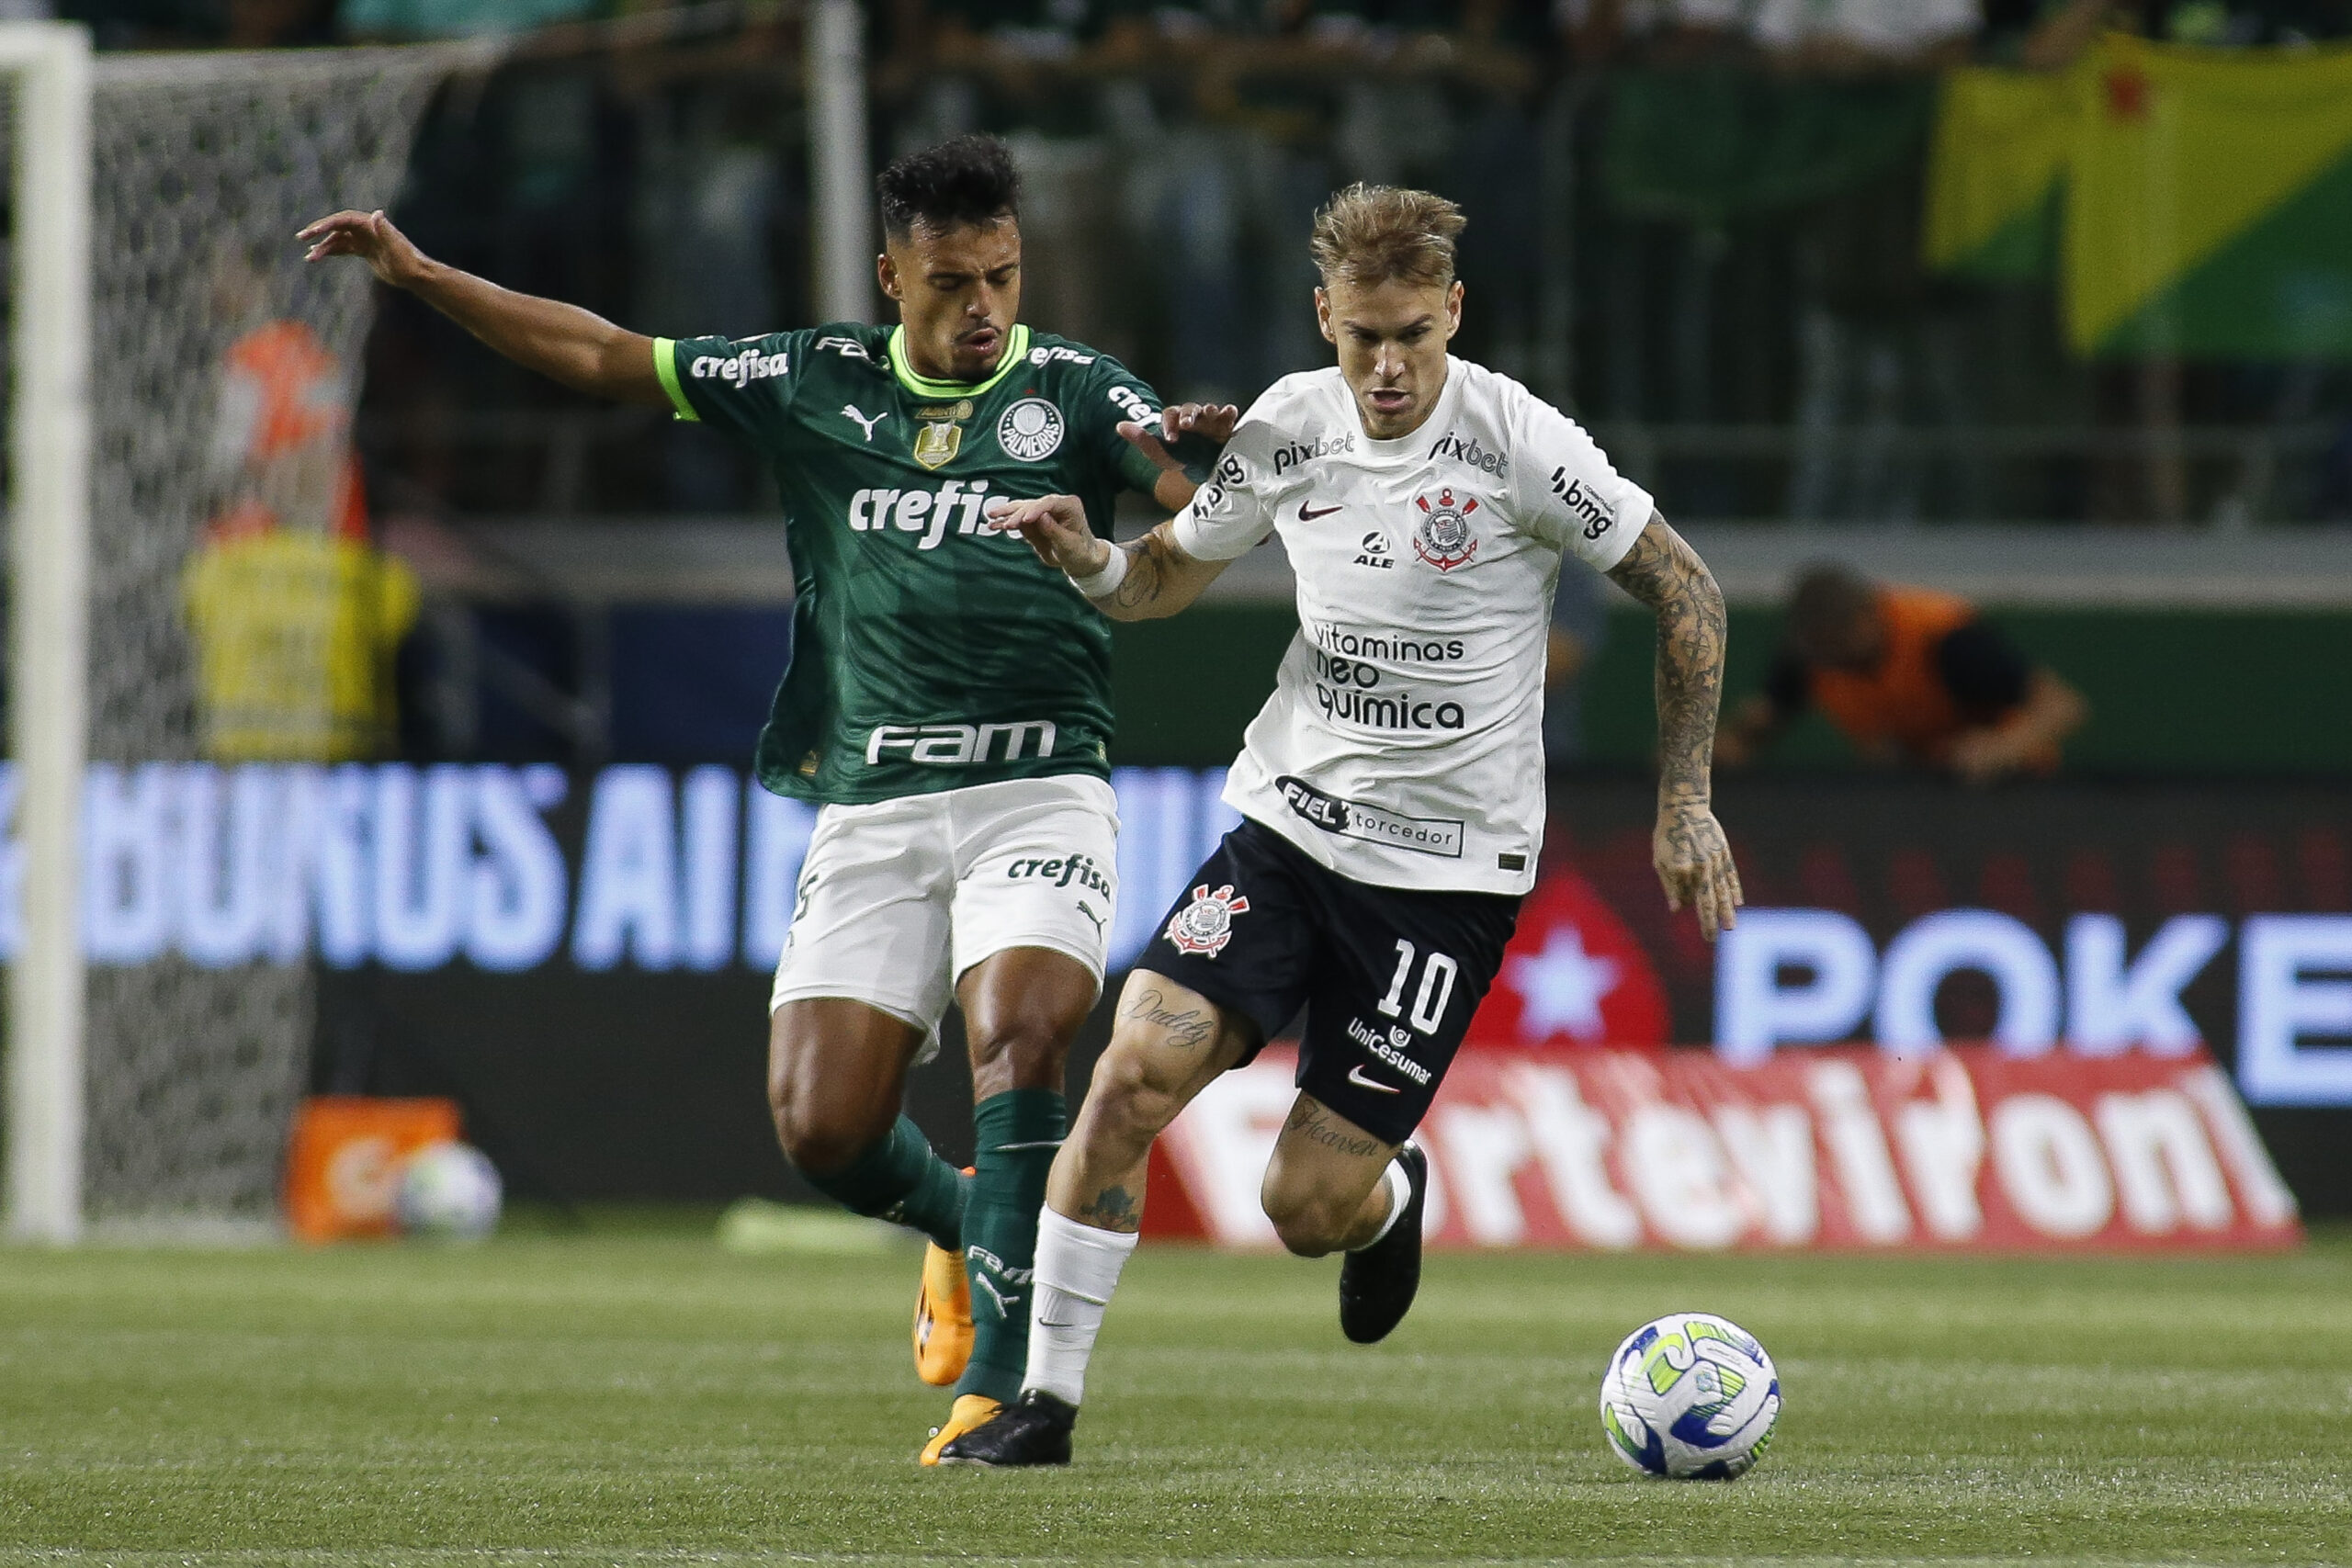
x,y
1356,1076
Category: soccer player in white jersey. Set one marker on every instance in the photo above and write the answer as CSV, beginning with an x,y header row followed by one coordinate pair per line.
x,y
1392,788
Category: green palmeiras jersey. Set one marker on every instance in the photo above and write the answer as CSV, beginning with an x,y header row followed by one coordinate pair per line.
x,y
928,653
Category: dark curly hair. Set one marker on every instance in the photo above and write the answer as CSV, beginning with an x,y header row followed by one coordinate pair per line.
x,y
968,180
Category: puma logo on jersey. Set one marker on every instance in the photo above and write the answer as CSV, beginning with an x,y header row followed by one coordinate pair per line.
x,y
957,745
1582,503
861,422
1470,455
926,512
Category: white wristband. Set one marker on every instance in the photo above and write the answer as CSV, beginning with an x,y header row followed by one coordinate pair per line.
x,y
1103,584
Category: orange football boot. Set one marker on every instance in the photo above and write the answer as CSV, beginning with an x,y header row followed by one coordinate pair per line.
x,y
970,1410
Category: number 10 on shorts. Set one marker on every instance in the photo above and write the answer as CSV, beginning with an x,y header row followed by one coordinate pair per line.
x,y
1438,972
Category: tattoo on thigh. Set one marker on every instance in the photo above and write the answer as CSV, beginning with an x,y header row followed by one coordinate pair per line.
x,y
1112,1209
1189,1028
1316,1126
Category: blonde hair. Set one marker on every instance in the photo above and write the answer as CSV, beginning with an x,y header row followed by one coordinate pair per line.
x,y
1368,235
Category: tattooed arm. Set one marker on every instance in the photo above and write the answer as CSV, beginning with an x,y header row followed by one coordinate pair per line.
x,y
1693,859
1160,577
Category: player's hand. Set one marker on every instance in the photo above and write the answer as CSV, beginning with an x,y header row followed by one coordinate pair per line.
x,y
1986,756
1055,528
370,236
1693,861
1211,423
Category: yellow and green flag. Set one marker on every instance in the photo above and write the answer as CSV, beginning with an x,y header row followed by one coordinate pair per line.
x,y
1996,169
2207,196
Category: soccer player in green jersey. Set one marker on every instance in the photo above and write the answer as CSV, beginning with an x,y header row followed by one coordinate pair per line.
x,y
947,704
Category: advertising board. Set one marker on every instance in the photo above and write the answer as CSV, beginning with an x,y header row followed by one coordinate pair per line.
x,y
581,959
1967,1148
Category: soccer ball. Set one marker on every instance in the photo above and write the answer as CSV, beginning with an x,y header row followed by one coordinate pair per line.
x,y
448,1191
1691,1396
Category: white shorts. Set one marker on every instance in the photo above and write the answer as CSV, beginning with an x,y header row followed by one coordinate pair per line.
x,y
898,898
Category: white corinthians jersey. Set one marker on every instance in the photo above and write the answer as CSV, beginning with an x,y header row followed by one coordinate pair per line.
x,y
1403,744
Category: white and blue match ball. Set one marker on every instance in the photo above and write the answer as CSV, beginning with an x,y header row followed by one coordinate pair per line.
x,y
448,1191
1690,1396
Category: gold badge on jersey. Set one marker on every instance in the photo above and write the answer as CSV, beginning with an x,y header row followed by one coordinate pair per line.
x,y
941,435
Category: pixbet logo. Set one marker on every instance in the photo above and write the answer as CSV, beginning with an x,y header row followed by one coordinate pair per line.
x,y
957,745
1583,504
1290,454
926,512
1470,453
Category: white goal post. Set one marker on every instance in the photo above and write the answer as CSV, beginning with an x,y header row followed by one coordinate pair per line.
x,y
149,1080
47,64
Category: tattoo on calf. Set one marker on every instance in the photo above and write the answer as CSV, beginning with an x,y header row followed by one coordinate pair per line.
x,y
1189,1028
1316,1127
1112,1209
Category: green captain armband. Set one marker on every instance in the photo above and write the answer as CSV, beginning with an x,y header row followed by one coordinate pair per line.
x,y
665,366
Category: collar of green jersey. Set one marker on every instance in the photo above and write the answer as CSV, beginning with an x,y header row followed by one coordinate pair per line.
x,y
1016,349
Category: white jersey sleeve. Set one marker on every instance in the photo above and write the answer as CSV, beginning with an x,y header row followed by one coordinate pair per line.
x,y
1567,493
1231,515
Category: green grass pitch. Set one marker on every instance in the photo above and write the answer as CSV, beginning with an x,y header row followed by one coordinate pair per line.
x,y
633,1397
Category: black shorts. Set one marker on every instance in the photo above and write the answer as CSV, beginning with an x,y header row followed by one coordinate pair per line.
x,y
1389,977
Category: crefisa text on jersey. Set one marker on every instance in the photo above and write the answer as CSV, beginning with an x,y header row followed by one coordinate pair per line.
x,y
924,511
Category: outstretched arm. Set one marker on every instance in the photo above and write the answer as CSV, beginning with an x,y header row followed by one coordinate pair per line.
x,y
1144,580
1688,848
560,342
1193,431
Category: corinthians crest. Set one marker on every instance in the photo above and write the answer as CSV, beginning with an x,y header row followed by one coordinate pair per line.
x,y
1443,535
1206,925
941,435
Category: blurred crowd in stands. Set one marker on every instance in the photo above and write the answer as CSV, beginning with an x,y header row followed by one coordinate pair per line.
x,y
1506,37
1745,317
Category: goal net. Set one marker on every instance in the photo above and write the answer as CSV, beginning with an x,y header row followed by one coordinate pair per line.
x,y
222,373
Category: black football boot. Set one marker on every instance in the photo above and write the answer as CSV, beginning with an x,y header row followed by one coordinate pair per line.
x,y
1034,1430
1377,1284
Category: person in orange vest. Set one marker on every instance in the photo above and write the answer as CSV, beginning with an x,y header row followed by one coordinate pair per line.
x,y
1909,676
295,615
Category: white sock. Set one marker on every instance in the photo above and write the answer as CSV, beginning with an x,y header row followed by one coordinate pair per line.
x,y
1400,1192
1078,1269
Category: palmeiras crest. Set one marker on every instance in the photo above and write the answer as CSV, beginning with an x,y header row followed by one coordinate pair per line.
x,y
1206,925
1443,535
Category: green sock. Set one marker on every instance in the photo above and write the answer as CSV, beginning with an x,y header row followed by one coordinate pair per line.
x,y
901,1180
1015,1135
